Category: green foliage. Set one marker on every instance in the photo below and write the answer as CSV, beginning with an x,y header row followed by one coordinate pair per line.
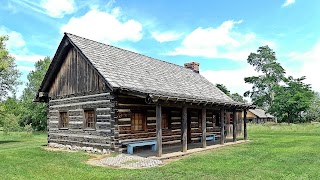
x,y
223,88
35,113
265,62
313,113
9,73
12,109
10,123
235,96
292,100
238,98
287,102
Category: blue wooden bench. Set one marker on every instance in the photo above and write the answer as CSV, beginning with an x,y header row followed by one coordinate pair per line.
x,y
210,137
131,145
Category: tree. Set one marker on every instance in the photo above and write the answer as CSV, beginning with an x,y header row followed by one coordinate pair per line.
x,y
9,73
238,98
235,96
11,112
292,99
223,88
265,62
35,113
313,113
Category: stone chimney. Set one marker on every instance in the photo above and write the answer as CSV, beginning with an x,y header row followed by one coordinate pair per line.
x,y
193,66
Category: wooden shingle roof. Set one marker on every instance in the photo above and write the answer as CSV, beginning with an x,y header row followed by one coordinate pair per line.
x,y
130,71
261,113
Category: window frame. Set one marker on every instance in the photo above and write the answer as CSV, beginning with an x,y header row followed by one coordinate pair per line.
x,y
144,121
60,120
85,123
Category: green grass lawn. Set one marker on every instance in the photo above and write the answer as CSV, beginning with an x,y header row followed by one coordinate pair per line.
x,y
276,152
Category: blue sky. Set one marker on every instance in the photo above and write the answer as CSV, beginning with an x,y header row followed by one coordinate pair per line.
x,y
217,34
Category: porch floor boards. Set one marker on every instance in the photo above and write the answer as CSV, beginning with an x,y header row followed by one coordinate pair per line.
x,y
176,151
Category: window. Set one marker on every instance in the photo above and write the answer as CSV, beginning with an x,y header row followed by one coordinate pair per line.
x,y
138,122
64,120
89,119
164,121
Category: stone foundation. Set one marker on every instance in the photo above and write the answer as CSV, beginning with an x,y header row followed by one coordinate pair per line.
x,y
78,148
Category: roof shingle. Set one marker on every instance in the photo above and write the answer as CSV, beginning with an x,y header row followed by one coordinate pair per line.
x,y
135,72
261,113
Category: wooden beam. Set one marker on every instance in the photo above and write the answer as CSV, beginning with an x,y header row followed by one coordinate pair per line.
x,y
184,129
245,124
159,130
222,116
234,129
204,127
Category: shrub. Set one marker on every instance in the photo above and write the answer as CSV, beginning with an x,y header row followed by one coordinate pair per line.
x,y
10,123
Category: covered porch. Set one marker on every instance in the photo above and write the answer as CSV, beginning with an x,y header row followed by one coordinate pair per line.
x,y
185,147
176,125
175,151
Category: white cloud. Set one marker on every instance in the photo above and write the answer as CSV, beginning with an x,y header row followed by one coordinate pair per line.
x,y
288,2
232,79
27,57
104,26
52,8
220,42
310,66
58,8
17,46
166,36
15,39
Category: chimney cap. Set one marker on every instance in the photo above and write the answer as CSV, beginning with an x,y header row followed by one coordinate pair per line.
x,y
193,66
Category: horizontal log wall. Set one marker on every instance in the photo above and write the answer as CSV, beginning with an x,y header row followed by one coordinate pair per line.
x,y
102,137
172,136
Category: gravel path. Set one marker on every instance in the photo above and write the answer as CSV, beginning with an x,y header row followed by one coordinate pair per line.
x,y
127,161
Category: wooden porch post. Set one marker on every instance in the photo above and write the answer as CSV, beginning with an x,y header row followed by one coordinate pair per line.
x,y
222,116
234,129
184,129
245,125
159,130
204,127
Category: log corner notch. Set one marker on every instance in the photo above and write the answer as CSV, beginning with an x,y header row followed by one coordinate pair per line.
x,y
159,130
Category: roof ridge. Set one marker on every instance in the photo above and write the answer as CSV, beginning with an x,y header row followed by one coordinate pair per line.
x,y
128,50
180,81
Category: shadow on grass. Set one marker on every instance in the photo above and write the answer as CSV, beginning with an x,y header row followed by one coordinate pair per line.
x,y
3,142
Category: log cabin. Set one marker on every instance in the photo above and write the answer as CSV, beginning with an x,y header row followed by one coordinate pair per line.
x,y
108,98
259,116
